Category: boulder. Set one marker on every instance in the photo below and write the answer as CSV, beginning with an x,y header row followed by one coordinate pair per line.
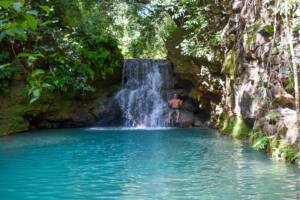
x,y
237,5
260,39
111,114
184,67
289,120
198,123
269,128
276,60
187,119
82,117
190,105
281,97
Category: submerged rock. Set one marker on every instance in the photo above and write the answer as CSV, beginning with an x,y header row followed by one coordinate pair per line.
x,y
187,119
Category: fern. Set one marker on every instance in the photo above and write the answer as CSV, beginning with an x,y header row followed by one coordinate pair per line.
x,y
261,143
290,153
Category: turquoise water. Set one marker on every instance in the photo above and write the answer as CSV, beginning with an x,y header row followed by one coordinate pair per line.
x,y
139,164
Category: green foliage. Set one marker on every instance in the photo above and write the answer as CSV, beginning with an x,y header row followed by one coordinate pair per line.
x,y
263,142
98,55
269,28
56,53
203,23
230,64
36,84
234,126
252,31
142,28
296,28
287,152
16,19
6,71
289,85
260,140
251,36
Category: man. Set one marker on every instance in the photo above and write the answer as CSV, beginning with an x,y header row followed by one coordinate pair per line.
x,y
175,103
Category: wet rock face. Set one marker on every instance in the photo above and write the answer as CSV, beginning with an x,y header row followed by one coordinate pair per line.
x,y
110,114
259,89
281,123
257,70
193,81
289,121
237,5
191,114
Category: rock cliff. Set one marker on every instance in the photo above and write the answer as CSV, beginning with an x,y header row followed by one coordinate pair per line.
x,y
256,86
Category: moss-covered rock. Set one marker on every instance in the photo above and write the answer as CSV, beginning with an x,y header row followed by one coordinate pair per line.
x,y
234,126
230,64
280,149
53,110
184,67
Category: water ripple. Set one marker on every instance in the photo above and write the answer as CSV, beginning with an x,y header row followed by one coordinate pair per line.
x,y
153,164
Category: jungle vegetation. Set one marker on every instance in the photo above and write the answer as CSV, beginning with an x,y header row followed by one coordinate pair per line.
x,y
67,45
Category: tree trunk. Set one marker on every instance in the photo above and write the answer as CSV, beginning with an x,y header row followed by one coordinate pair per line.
x,y
289,35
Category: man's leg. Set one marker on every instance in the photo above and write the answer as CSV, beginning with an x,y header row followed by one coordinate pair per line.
x,y
169,117
177,116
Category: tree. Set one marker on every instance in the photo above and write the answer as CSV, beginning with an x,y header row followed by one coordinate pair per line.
x,y
52,50
288,12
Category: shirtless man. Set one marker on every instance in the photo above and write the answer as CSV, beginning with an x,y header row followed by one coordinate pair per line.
x,y
175,103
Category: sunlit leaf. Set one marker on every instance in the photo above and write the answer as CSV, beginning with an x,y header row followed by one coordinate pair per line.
x,y
6,4
4,66
46,9
2,35
18,6
24,55
38,72
32,12
269,29
35,95
31,21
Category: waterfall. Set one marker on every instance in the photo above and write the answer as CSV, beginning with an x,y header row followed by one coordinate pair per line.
x,y
144,92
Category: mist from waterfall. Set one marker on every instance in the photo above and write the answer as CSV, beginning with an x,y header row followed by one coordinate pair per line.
x,y
142,98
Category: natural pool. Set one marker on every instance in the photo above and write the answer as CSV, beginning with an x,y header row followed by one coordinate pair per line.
x,y
139,164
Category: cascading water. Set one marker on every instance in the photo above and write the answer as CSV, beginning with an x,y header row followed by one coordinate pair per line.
x,y
144,91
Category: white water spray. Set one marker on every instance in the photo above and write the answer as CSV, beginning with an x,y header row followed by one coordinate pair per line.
x,y
145,83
